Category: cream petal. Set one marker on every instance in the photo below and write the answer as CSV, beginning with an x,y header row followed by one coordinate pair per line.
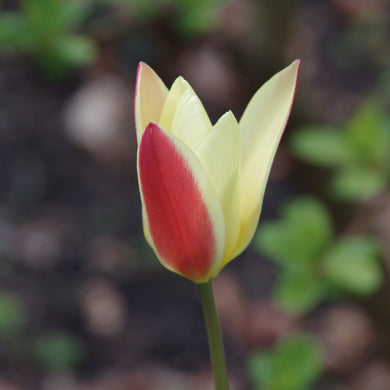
x,y
220,154
177,90
262,126
189,122
149,99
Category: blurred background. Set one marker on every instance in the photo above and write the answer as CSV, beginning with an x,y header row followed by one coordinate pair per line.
x,y
85,305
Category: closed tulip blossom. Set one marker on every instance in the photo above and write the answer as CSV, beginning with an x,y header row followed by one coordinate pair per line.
x,y
202,185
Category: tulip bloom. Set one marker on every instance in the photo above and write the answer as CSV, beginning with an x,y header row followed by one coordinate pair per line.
x,y
202,185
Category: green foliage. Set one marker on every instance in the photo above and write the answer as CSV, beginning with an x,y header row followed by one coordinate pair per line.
x,y
298,292
297,239
314,265
196,16
44,29
12,314
321,145
57,351
352,264
356,183
294,364
358,150
189,17
176,388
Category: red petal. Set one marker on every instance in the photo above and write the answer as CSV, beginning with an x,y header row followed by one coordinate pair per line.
x,y
178,219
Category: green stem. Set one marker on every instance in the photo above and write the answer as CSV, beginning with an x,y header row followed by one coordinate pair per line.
x,y
217,353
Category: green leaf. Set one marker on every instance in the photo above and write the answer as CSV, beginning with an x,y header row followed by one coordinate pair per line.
x,y
272,239
321,145
42,18
358,183
49,19
14,34
146,9
197,16
297,240
58,351
353,265
311,219
72,14
12,314
76,49
175,388
368,134
65,53
295,364
298,293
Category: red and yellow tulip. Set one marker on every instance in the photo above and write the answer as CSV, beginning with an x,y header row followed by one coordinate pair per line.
x,y
202,185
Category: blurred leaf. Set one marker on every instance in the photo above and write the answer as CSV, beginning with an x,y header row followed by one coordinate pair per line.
x,y
321,145
146,9
54,16
42,18
68,51
272,239
13,33
298,238
293,365
353,265
76,49
368,135
197,16
311,217
360,152
41,28
12,314
58,351
298,293
73,14
358,183
176,388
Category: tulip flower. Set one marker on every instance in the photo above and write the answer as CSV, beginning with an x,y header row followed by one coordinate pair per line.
x,y
202,185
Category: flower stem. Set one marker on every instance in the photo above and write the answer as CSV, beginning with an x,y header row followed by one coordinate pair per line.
x,y
217,353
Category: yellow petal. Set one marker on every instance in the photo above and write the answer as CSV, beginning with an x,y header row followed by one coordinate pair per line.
x,y
220,154
179,88
189,122
262,126
145,226
150,96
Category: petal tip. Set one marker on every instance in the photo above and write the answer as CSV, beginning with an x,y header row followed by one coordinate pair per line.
x,y
139,70
149,129
296,64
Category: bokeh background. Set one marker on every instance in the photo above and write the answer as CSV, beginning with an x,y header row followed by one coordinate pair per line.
x,y
85,305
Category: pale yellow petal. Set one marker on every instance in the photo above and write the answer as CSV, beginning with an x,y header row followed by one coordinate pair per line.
x,y
145,226
177,90
220,154
262,126
149,99
176,93
189,122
